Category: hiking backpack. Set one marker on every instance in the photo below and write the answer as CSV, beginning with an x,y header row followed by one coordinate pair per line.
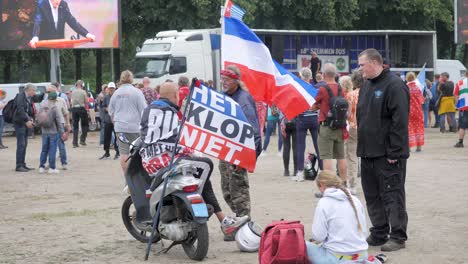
x,y
336,117
9,111
46,117
283,242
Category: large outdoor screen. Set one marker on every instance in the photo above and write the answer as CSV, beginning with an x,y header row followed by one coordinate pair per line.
x,y
46,24
461,21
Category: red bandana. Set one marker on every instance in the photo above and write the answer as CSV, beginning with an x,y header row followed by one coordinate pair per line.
x,y
230,74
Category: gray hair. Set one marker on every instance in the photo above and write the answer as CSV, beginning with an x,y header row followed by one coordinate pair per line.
x,y
29,86
329,70
237,71
346,83
306,74
372,55
183,81
357,79
52,86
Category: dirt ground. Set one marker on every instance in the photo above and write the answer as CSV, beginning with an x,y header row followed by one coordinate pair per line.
x,y
74,217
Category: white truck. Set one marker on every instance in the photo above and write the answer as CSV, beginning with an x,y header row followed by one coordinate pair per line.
x,y
171,54
454,68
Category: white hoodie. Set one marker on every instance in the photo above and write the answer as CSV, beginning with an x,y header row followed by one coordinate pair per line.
x,y
335,223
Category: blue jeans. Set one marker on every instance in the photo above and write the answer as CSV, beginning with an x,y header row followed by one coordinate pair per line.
x,y
320,255
101,134
425,108
269,130
435,109
452,123
21,132
2,124
62,150
304,124
49,148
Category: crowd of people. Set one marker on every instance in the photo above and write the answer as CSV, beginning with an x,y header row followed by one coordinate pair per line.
x,y
386,116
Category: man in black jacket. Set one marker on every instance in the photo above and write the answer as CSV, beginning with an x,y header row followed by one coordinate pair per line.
x,y
50,19
382,116
23,119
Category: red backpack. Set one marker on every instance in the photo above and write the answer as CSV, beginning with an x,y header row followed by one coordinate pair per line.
x,y
283,242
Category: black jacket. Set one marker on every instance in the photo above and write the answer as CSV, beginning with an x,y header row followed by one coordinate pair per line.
x,y
24,111
382,116
44,26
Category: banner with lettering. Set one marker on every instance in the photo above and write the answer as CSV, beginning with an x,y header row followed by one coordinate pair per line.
x,y
337,56
216,126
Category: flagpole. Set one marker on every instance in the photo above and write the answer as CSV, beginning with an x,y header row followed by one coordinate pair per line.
x,y
195,82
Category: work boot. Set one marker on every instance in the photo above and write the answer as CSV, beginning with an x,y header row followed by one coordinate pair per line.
x,y
230,225
372,241
393,245
459,145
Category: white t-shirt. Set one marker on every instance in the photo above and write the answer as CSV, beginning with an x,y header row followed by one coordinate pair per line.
x,y
335,224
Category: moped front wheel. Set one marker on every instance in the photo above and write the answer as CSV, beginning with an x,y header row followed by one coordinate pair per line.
x,y
129,220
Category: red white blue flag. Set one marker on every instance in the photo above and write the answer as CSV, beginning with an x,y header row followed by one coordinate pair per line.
x,y
216,126
266,79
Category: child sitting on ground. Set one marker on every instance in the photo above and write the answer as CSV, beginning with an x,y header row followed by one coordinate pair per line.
x,y
339,227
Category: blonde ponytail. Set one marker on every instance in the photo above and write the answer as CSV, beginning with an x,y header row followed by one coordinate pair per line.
x,y
328,178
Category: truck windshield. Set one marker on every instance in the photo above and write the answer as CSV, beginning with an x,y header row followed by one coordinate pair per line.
x,y
150,67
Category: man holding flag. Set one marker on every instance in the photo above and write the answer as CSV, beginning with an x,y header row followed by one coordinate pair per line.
x,y
461,96
234,179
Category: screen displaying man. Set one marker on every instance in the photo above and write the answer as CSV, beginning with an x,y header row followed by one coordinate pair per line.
x,y
50,19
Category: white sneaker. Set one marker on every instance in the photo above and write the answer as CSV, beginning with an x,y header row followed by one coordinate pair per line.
x,y
280,154
64,167
299,176
53,171
231,224
263,154
41,170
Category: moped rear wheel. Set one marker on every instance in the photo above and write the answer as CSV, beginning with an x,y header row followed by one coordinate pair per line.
x,y
196,247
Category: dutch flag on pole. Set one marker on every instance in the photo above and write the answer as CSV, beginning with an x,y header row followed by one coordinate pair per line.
x,y
266,79
421,79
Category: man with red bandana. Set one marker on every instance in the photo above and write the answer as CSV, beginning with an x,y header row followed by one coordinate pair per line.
x,y
234,179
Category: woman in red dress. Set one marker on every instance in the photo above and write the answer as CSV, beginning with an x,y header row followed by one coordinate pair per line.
x,y
416,117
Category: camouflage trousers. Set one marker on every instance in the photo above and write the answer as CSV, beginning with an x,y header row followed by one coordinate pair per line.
x,y
235,187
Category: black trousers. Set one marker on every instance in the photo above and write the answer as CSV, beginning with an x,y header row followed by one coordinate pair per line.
x,y
384,189
79,114
288,142
108,130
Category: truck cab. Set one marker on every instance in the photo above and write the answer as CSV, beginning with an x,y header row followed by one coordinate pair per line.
x,y
171,54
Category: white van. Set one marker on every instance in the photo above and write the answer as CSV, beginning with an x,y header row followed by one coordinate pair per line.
x,y
12,89
454,68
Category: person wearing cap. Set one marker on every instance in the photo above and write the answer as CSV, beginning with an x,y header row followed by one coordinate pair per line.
x,y
107,122
234,179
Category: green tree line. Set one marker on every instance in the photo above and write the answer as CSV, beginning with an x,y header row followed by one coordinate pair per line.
x,y
142,19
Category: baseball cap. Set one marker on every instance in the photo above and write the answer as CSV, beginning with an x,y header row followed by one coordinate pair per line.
x,y
111,85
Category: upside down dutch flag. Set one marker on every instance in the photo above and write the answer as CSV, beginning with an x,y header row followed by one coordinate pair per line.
x,y
266,79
